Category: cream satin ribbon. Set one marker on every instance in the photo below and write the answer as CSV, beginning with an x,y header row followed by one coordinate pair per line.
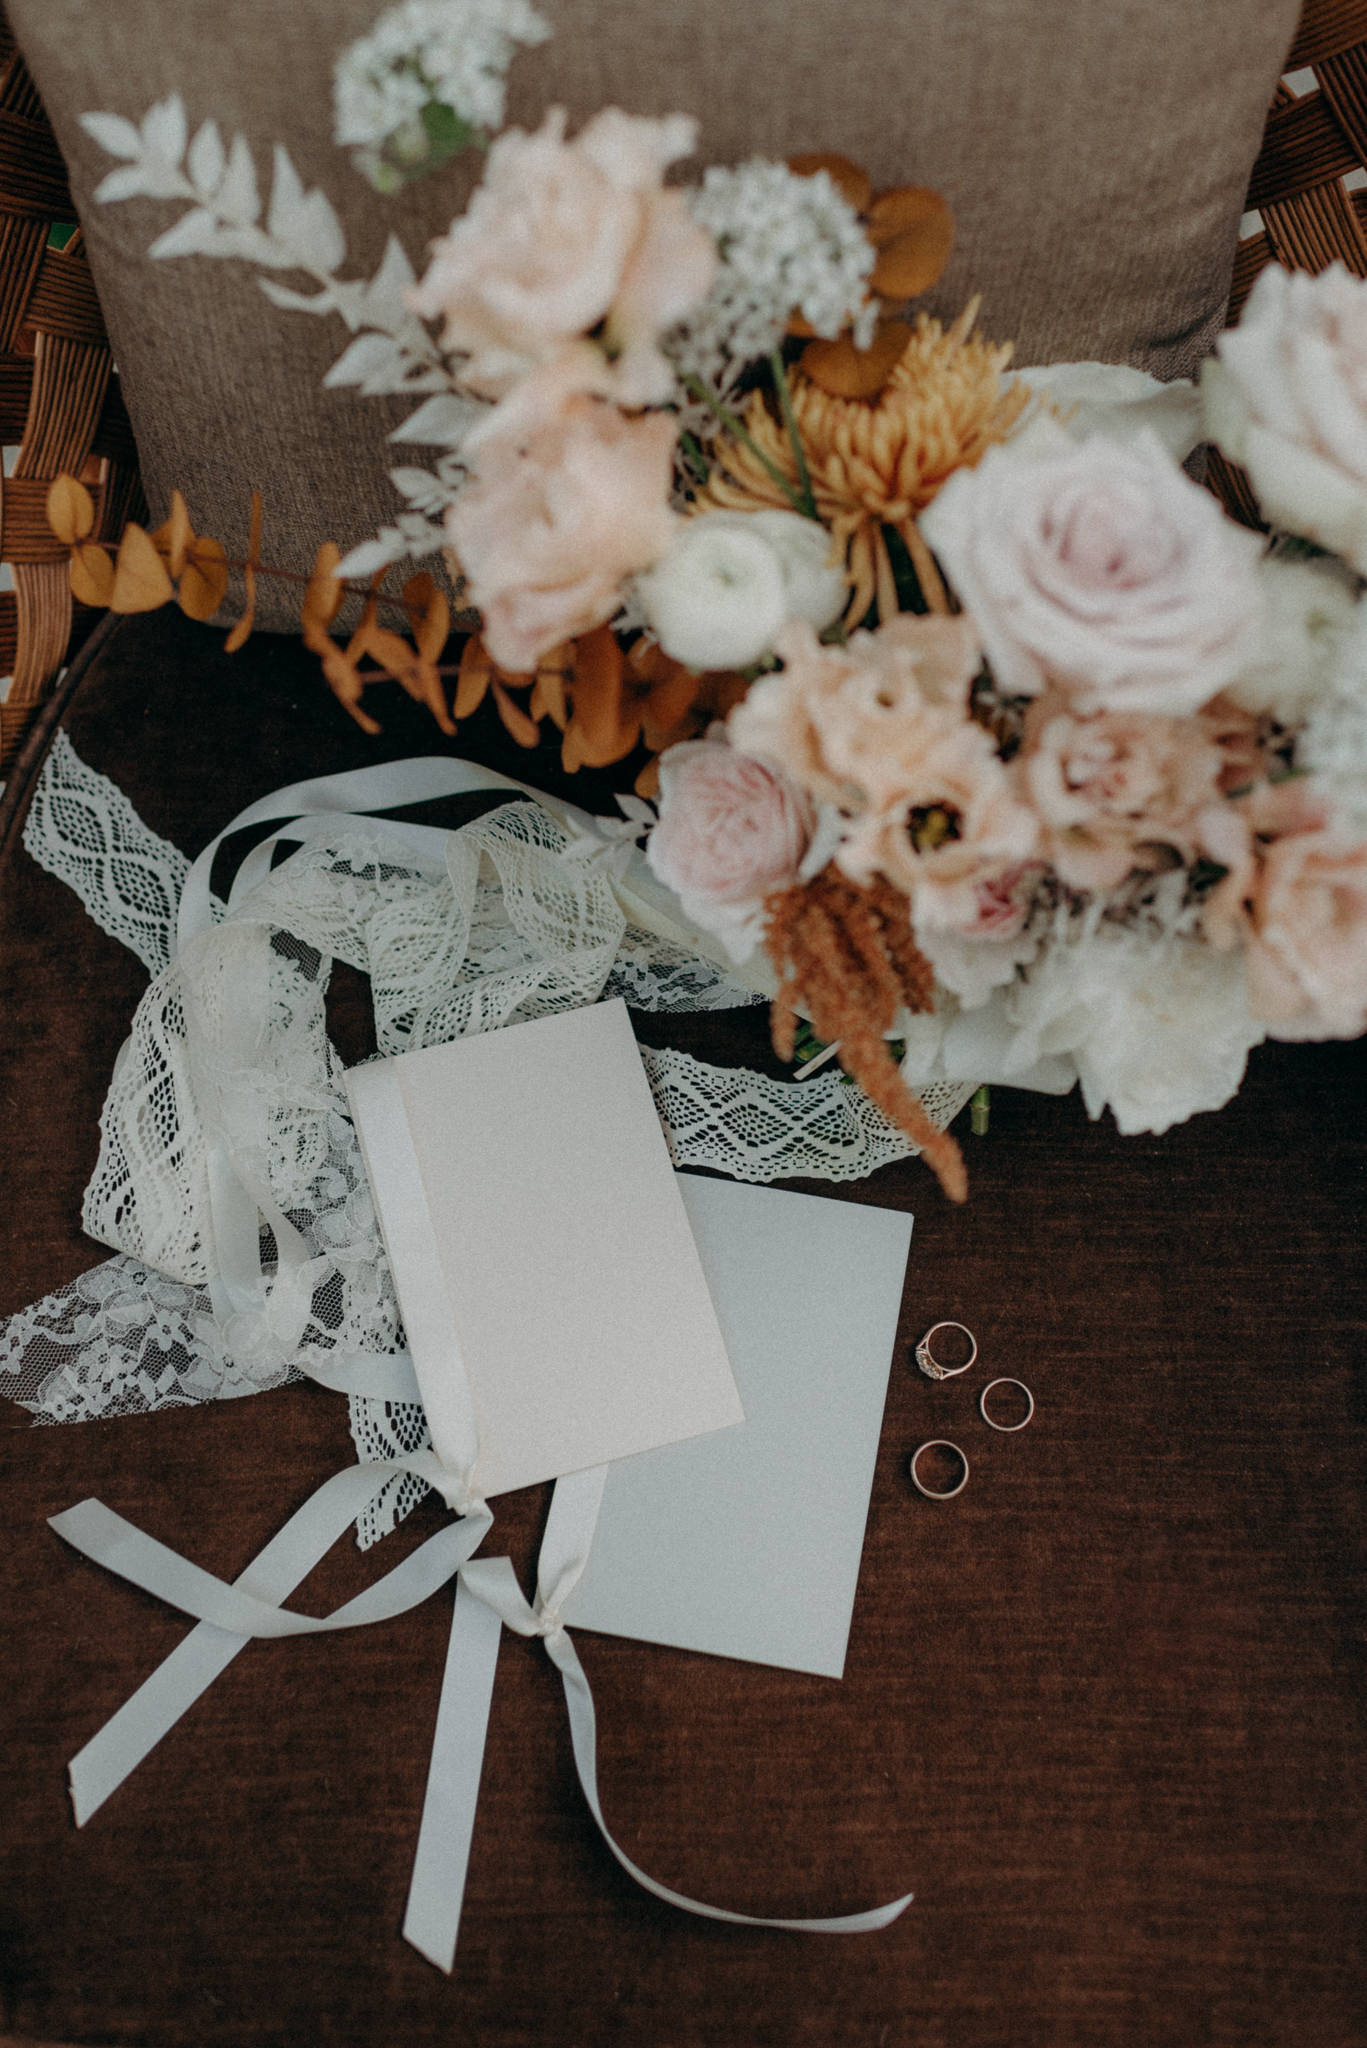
x,y
488,1598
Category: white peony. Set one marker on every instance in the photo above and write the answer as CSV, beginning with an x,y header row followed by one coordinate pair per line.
x,y
1158,1029
1286,396
731,581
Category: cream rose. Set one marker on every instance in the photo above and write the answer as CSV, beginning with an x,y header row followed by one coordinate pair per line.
x,y
562,236
552,525
1286,395
1102,568
731,832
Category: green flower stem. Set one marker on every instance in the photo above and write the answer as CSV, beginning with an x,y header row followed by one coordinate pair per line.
x,y
979,1105
735,425
785,406
697,458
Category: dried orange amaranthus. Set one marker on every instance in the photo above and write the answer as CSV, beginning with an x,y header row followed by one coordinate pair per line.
x,y
845,952
877,463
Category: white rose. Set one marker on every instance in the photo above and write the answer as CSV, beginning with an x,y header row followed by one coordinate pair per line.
x,y
1286,396
1101,567
731,581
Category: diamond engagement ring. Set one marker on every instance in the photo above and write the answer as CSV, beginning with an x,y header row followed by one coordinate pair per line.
x,y
930,1366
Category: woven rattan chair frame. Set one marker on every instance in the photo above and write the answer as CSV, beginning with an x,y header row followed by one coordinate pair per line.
x,y
60,403
60,407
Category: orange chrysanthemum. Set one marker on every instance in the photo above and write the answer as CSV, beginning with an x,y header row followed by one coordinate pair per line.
x,y
877,463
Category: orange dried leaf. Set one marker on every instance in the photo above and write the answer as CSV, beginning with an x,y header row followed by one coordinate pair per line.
x,y
242,630
668,704
852,182
204,579
141,583
606,729
523,729
173,538
474,677
70,510
913,235
548,699
323,597
429,614
844,371
345,680
92,574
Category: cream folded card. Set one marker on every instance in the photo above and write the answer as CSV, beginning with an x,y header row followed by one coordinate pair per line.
x,y
747,1543
554,1302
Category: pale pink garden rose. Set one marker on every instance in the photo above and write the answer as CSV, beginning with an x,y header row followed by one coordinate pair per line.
x,y
562,236
1101,568
1295,899
1118,791
1307,953
731,832
1286,396
551,526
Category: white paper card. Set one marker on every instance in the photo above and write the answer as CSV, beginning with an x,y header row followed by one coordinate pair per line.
x,y
551,1292
747,1544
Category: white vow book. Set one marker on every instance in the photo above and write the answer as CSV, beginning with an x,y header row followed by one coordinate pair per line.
x,y
554,1301
747,1543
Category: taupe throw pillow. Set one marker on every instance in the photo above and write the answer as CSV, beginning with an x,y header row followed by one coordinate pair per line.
x,y
1096,158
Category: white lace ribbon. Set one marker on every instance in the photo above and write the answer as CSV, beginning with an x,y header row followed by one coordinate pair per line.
x,y
488,1598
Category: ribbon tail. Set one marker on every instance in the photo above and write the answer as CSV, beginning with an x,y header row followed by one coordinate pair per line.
x,y
436,1891
133,1732
230,1615
584,1739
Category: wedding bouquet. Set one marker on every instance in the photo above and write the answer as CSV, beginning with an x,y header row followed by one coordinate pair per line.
x,y
975,726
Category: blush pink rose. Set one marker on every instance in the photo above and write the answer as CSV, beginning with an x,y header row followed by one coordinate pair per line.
x,y
731,832
552,524
1118,791
1101,568
562,237
1301,896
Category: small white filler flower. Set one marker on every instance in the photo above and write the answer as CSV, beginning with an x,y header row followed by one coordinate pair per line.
x,y
428,80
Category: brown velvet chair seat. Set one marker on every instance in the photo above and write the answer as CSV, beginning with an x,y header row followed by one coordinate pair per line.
x,y
1102,1713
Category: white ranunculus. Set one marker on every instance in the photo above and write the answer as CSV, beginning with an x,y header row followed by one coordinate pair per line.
x,y
1119,402
1286,396
731,580
813,573
718,596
